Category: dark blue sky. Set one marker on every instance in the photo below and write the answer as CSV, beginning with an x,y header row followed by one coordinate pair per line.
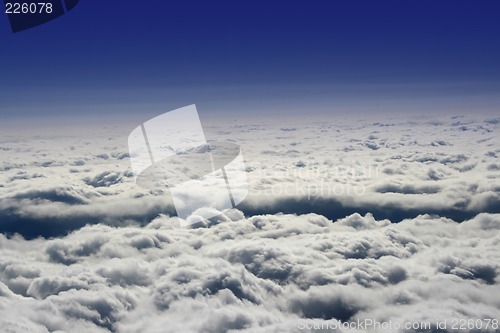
x,y
119,57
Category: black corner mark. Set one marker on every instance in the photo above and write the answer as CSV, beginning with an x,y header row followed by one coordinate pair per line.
x,y
70,4
27,14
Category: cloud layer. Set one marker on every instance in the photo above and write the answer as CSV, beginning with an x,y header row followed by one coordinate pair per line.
x,y
347,219
269,272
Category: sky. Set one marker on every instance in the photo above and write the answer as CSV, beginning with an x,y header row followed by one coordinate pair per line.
x,y
330,56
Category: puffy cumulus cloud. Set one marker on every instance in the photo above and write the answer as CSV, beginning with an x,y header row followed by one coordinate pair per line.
x,y
443,166
268,273
359,222
125,272
346,220
66,182
104,179
395,169
45,286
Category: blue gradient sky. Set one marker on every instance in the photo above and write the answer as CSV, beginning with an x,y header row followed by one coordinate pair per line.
x,y
118,58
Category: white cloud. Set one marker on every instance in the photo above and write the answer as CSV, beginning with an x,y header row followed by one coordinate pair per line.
x,y
119,262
